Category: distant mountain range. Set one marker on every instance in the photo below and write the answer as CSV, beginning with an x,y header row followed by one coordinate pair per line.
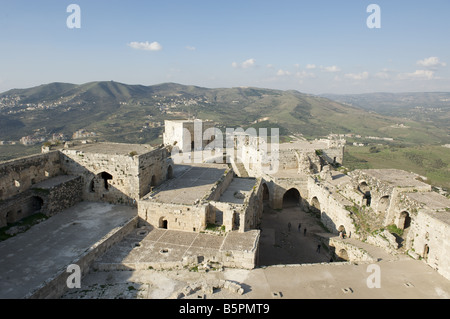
x,y
426,106
120,112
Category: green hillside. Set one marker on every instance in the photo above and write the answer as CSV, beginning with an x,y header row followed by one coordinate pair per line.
x,y
120,112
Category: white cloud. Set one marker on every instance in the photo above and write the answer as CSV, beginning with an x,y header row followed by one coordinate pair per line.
x,y
331,69
431,62
303,74
418,74
310,66
154,46
384,74
357,76
190,48
244,65
269,66
283,72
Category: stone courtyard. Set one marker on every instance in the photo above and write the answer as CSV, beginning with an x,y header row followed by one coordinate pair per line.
x,y
290,268
141,226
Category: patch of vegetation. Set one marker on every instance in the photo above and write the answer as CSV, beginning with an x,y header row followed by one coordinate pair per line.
x,y
24,224
42,191
395,230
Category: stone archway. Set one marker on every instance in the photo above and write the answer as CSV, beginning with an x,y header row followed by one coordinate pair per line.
x,y
266,193
342,254
383,204
404,220
367,196
153,181
315,206
36,204
106,176
291,198
163,223
426,251
170,172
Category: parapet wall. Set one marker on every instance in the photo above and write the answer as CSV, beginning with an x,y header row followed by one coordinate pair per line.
x,y
17,176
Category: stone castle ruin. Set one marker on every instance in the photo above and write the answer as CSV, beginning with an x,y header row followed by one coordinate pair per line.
x,y
213,210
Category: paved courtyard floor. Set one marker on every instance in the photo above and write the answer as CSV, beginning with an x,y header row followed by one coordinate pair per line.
x,y
30,258
289,268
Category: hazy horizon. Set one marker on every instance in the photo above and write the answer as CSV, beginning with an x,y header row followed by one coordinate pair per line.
x,y
315,47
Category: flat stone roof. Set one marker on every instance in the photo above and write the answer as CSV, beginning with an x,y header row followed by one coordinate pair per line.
x,y
113,148
303,145
32,257
395,177
193,182
158,245
432,200
240,185
54,181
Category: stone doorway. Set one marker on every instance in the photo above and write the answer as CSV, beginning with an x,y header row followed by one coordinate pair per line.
x,y
404,221
291,198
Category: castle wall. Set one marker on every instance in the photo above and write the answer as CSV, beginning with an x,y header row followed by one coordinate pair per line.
x,y
123,187
17,176
173,216
429,238
153,170
333,213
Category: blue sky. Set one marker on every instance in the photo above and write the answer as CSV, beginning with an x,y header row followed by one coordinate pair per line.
x,y
310,46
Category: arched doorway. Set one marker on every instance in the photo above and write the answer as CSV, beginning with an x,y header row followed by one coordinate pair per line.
x,y
153,182
266,193
315,206
342,254
365,190
404,221
163,223
106,176
291,198
170,172
383,204
36,204
426,251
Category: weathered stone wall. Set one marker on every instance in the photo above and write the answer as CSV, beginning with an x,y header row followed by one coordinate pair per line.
x,y
153,169
185,134
254,207
429,239
279,186
63,196
333,213
122,188
220,186
40,198
174,216
346,251
17,176
230,215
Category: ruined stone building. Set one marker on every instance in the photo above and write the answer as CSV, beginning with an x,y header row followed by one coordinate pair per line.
x,y
230,192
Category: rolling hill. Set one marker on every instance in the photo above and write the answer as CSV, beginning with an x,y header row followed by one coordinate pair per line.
x,y
120,112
